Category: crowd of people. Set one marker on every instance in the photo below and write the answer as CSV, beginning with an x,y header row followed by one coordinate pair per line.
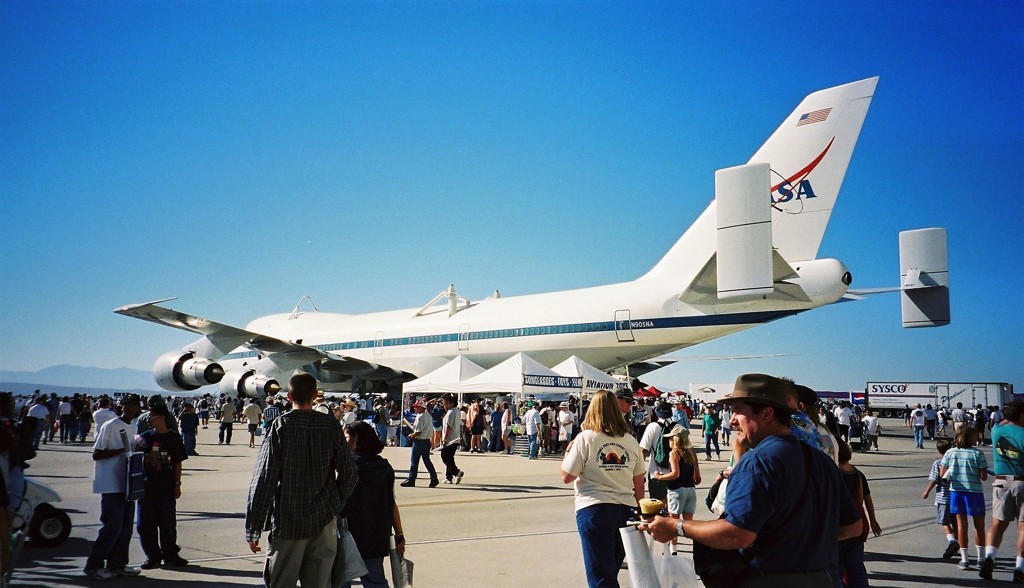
x,y
791,467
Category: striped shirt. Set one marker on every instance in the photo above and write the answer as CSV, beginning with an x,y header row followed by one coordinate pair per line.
x,y
966,464
271,413
304,475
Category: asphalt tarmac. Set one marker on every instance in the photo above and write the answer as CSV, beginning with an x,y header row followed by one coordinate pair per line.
x,y
510,522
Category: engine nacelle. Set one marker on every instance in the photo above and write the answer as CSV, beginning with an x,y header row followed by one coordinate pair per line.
x,y
247,383
181,371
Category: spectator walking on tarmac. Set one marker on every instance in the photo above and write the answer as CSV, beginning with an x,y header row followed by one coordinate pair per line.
x,y
711,425
158,526
304,474
252,413
606,467
422,429
1007,489
942,514
109,555
189,423
532,423
227,422
777,492
917,421
451,435
966,468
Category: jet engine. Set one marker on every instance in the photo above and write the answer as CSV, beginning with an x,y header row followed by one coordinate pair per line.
x,y
182,371
247,383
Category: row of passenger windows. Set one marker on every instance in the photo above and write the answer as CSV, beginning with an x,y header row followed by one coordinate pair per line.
x,y
495,334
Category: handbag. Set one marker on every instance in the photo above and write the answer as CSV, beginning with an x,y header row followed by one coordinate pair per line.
x,y
674,571
720,568
348,564
135,482
401,568
717,503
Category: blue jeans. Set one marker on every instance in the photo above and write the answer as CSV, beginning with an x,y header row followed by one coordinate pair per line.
x,y
496,443
534,446
851,563
115,536
421,451
708,440
919,435
157,526
382,433
374,577
224,434
188,438
602,544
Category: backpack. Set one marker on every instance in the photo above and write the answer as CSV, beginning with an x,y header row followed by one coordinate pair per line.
x,y
662,449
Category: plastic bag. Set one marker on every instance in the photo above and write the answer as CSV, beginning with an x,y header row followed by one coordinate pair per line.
x,y
673,571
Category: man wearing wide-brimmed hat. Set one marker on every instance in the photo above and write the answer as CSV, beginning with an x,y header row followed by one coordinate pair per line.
x,y
786,508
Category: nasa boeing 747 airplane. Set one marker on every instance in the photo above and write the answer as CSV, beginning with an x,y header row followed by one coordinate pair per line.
x,y
748,259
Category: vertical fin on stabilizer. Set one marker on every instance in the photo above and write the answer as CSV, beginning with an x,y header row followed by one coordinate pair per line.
x,y
744,236
809,154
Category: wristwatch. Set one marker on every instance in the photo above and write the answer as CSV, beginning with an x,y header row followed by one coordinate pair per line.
x,y
679,530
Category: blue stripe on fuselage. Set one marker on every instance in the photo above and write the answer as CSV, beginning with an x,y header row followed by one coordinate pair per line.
x,y
676,322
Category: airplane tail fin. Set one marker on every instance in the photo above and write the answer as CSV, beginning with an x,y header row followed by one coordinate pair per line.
x,y
809,154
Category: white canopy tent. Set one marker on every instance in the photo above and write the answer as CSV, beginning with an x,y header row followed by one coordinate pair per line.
x,y
520,376
445,379
591,379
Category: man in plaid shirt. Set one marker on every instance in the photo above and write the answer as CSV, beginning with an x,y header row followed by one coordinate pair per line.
x,y
304,475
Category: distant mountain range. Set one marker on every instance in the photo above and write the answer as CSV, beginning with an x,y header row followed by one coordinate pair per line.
x,y
67,379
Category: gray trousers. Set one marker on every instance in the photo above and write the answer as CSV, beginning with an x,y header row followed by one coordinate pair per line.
x,y
306,562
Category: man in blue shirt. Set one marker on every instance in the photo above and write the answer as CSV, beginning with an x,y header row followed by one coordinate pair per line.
x,y
786,524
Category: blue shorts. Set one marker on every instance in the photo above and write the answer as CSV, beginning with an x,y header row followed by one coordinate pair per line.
x,y
970,503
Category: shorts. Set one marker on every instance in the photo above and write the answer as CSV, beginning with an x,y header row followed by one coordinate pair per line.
x,y
942,515
970,503
682,500
204,414
252,427
1008,500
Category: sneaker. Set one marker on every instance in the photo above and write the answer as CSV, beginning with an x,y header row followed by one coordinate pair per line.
x,y
433,483
964,565
458,477
150,564
952,549
177,561
447,481
127,571
1018,576
408,484
99,574
987,567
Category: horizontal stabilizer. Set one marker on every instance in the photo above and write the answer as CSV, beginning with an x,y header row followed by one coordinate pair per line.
x,y
744,235
924,278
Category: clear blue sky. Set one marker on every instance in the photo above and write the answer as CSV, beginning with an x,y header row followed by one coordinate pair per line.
x,y
240,155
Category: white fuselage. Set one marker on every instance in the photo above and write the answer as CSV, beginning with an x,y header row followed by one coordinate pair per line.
x,y
606,326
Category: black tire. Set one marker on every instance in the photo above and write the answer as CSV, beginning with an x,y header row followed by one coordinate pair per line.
x,y
50,526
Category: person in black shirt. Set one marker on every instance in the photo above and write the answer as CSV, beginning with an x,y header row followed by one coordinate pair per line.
x,y
157,518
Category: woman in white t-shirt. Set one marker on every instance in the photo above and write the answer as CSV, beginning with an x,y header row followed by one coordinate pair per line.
x,y
608,469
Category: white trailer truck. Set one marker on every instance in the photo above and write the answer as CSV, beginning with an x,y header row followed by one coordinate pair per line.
x,y
890,399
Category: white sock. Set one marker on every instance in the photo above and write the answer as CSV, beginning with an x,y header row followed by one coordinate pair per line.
x,y
1020,562
978,549
963,554
950,537
990,551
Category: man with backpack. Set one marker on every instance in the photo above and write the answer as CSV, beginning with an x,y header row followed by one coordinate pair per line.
x,y
654,444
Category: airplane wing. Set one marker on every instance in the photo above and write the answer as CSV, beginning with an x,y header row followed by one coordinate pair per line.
x,y
220,339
